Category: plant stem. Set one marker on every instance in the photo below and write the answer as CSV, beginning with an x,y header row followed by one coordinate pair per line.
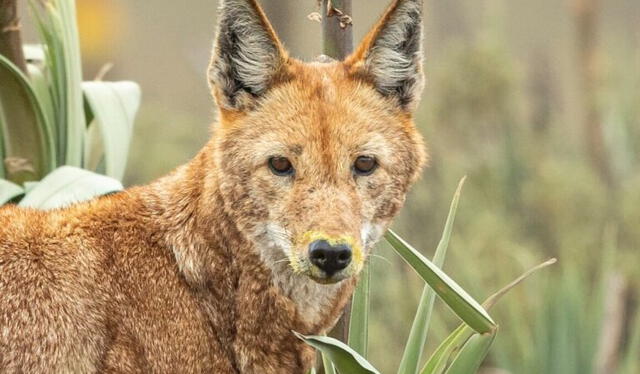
x,y
337,30
337,35
10,40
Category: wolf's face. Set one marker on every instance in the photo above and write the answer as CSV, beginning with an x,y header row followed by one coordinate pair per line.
x,y
316,159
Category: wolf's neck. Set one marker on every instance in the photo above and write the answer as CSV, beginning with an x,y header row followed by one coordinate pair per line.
x,y
191,216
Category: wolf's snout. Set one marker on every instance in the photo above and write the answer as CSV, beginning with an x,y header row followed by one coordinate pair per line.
x,y
329,258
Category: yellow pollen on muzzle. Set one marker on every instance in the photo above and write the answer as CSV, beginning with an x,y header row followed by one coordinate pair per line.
x,y
311,236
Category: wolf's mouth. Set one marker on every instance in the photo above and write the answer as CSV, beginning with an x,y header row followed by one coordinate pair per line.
x,y
330,280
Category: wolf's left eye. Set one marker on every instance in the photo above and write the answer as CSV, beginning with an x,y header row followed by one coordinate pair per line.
x,y
365,165
281,166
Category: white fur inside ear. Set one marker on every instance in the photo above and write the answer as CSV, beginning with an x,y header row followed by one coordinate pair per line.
x,y
245,57
256,59
395,59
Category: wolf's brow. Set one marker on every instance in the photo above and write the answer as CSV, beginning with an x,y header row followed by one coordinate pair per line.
x,y
296,149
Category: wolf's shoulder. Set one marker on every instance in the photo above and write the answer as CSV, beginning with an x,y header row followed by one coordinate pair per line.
x,y
60,239
20,225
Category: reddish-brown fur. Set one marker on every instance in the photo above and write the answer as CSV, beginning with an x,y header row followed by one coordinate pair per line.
x,y
183,275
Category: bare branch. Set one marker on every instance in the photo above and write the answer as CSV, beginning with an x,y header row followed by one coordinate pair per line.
x,y
337,28
10,40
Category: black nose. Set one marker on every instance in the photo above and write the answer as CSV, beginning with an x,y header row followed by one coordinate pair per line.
x,y
329,258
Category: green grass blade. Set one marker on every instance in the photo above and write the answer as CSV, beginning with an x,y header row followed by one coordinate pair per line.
x,y
472,354
493,299
463,305
25,129
345,359
114,106
9,191
359,318
67,185
420,327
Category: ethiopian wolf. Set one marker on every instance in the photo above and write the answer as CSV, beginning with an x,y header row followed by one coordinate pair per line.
x,y
264,232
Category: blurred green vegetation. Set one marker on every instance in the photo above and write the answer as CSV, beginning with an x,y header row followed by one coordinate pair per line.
x,y
532,193
504,106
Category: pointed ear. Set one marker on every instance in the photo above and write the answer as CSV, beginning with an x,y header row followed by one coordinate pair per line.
x,y
391,54
247,55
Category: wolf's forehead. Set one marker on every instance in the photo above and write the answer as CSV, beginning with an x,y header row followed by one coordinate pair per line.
x,y
321,81
321,108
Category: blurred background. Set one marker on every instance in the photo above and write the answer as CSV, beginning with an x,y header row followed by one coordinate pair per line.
x,y
537,102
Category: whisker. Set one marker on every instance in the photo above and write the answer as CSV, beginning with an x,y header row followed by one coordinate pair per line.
x,y
280,235
286,259
380,257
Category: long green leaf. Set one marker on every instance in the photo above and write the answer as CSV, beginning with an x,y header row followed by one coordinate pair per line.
x,y
37,65
9,191
50,28
41,90
29,186
359,319
114,106
472,354
3,126
73,68
420,327
345,359
25,130
463,305
67,185
327,365
94,149
438,361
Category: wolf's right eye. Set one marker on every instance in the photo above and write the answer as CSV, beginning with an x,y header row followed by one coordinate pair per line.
x,y
365,165
281,166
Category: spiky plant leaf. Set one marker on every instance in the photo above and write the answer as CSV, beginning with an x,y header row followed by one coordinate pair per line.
x,y
25,131
418,334
327,364
463,305
359,318
67,185
472,354
9,191
439,360
114,106
345,359
73,75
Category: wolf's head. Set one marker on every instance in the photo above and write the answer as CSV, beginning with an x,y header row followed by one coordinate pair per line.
x,y
316,158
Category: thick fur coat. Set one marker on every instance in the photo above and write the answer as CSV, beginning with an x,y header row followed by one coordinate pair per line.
x,y
207,269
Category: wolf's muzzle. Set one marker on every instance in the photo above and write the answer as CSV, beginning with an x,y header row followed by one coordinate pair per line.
x,y
329,258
